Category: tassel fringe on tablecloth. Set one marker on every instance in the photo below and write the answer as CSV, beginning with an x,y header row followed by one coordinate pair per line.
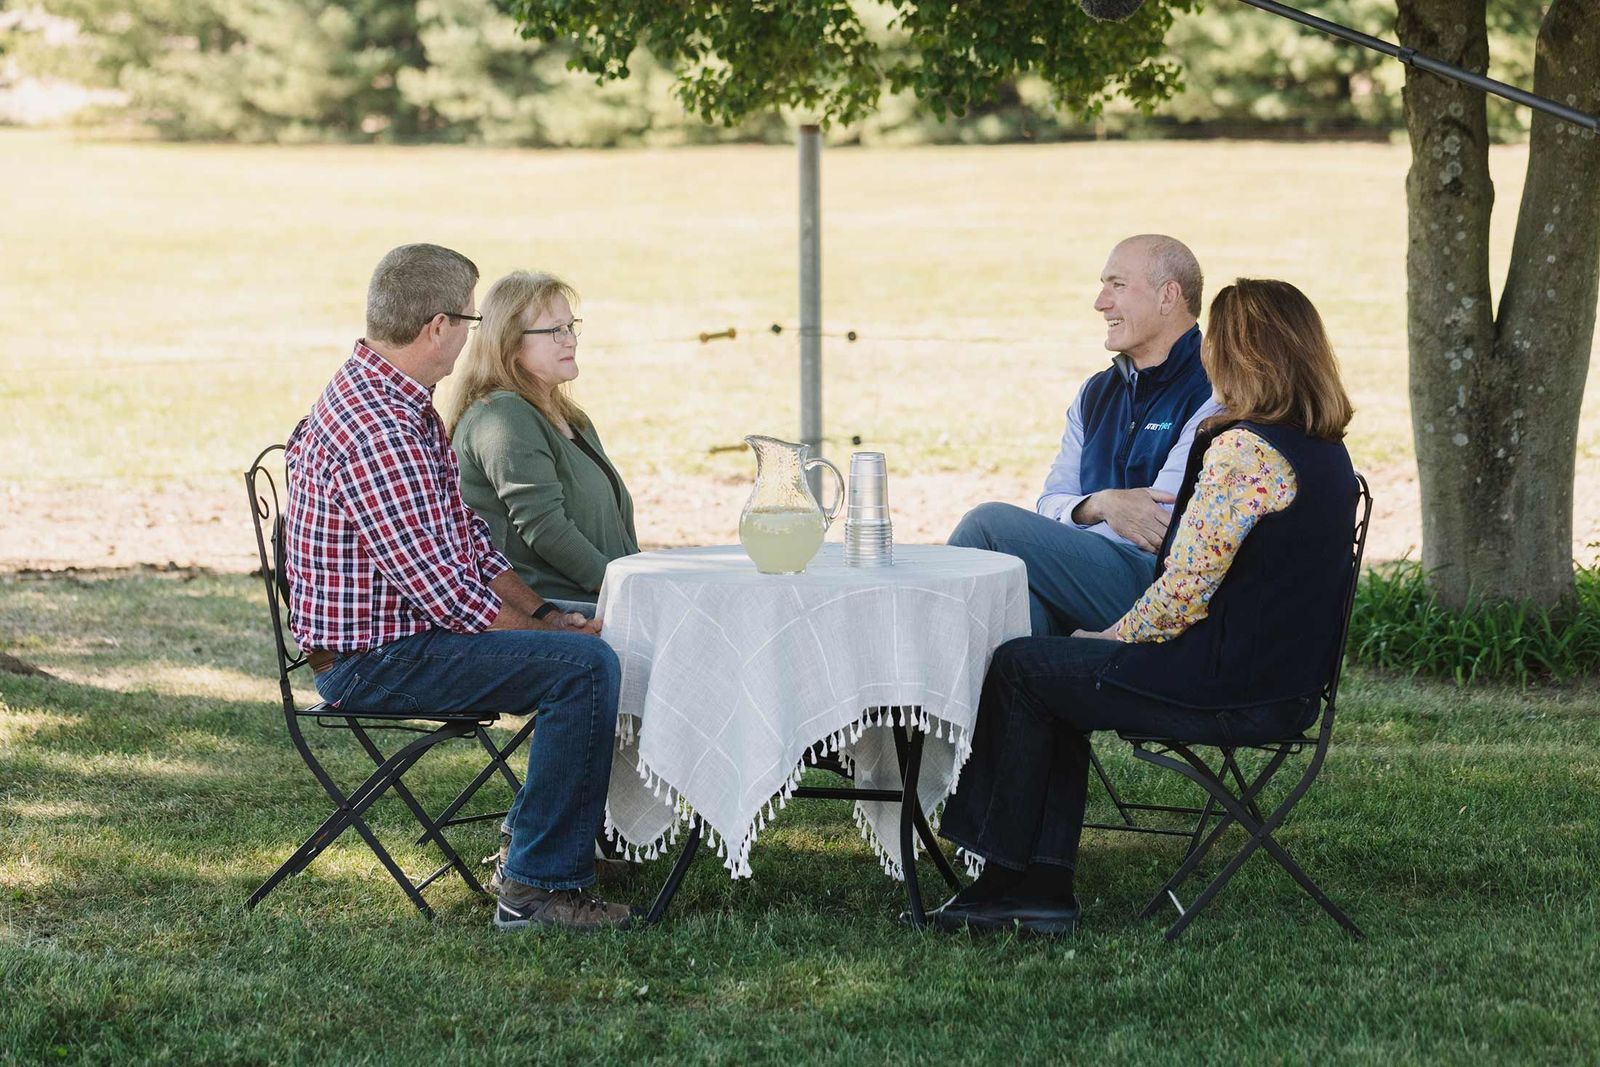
x,y
737,857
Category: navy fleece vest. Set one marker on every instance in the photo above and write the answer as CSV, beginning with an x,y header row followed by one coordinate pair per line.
x,y
1273,622
1131,420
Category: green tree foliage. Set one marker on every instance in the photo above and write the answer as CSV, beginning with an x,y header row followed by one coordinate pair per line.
x,y
253,69
362,70
831,60
460,70
481,80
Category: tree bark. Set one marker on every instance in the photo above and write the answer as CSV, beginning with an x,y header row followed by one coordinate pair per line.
x,y
1546,320
1494,403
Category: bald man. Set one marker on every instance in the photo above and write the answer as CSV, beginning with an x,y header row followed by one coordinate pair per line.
x,y
1091,541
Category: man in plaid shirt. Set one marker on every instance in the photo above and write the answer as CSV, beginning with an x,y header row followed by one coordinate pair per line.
x,y
402,604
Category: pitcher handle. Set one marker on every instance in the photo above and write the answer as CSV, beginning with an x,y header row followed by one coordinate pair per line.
x,y
838,497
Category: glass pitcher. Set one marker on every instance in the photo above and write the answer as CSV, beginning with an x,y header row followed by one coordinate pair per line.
x,y
782,524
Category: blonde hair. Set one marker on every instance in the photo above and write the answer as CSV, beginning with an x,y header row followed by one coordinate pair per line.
x,y
1270,361
490,363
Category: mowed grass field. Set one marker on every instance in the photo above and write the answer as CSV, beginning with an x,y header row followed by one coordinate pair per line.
x,y
167,309
149,788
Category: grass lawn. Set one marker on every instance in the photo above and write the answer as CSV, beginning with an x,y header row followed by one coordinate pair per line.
x,y
168,309
149,788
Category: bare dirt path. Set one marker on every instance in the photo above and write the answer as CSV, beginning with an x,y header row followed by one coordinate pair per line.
x,y
206,525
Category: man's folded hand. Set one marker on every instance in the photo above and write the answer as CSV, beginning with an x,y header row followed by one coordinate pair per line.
x,y
1136,514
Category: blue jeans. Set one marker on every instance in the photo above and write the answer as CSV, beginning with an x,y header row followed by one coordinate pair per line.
x,y
1076,579
1023,791
570,679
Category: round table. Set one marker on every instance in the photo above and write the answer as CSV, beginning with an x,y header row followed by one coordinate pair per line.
x,y
730,678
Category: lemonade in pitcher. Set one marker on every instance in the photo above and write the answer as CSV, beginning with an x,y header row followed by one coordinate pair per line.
x,y
781,540
782,524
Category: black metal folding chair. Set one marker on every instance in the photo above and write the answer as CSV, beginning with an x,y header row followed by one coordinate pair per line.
x,y
1230,798
431,728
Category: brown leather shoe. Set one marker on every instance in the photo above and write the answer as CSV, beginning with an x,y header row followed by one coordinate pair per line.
x,y
521,906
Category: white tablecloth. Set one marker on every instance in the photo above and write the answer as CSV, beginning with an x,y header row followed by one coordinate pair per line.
x,y
729,676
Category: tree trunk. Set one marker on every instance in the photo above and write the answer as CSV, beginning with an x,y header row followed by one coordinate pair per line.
x,y
1545,325
1494,406
1450,328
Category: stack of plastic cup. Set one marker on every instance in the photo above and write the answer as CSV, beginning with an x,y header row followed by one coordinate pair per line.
x,y
868,533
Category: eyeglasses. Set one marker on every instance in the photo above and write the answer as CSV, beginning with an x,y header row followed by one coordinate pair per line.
x,y
471,320
560,333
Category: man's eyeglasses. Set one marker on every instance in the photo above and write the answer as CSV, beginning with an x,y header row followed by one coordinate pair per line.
x,y
561,333
471,320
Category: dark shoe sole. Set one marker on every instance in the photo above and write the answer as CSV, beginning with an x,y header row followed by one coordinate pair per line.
x,y
963,920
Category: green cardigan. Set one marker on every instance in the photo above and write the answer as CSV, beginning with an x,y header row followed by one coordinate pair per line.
x,y
550,508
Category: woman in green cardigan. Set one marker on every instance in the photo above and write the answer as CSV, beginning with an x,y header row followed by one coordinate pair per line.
x,y
531,462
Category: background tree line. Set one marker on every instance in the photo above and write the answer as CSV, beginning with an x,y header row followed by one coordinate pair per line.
x,y
459,71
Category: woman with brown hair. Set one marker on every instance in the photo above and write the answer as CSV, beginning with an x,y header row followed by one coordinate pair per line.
x,y
1231,642
532,465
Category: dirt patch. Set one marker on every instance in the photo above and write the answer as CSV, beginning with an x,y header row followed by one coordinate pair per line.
x,y
83,531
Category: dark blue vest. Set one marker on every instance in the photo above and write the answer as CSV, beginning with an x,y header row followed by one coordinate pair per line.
x,y
1129,426
1273,622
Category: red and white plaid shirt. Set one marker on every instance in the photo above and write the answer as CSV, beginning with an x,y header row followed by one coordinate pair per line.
x,y
379,545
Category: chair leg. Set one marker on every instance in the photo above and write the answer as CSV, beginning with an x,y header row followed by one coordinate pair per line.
x,y
301,857
349,812
502,754
430,830
1191,861
1199,848
1260,833
664,898
1288,863
496,762
1200,825
400,877
337,822
1245,794
1105,783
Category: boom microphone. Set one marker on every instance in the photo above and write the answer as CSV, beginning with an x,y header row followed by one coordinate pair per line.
x,y
1110,10
1122,10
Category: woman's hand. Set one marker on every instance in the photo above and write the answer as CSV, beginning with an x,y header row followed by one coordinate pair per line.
x,y
576,620
1108,634
571,622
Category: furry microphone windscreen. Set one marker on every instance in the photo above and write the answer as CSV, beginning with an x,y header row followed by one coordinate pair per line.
x,y
1110,10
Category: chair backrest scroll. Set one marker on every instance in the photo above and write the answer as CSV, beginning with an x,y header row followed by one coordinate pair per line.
x,y
261,483
1358,545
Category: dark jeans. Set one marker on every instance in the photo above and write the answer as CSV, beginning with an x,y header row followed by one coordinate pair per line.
x,y
570,679
1022,793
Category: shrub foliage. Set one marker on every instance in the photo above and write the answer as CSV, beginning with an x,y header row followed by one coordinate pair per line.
x,y
1399,625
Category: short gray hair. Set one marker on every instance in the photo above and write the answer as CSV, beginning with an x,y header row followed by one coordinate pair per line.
x,y
412,284
1171,260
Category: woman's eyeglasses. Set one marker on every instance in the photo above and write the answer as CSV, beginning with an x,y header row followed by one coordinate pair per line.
x,y
561,333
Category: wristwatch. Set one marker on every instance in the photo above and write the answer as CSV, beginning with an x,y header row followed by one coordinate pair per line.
x,y
544,610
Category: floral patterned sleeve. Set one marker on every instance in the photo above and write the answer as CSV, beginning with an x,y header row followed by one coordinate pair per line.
x,y
1242,479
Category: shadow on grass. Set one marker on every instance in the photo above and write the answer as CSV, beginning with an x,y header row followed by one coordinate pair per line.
x,y
140,790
